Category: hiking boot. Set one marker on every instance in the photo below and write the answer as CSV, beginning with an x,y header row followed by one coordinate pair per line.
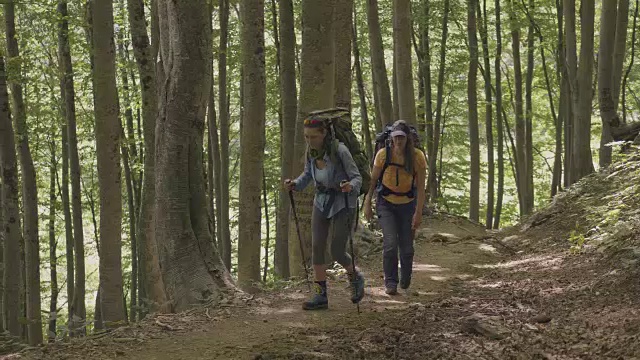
x,y
319,299
405,282
357,288
391,290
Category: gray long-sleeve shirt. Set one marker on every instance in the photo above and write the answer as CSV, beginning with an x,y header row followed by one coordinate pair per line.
x,y
346,169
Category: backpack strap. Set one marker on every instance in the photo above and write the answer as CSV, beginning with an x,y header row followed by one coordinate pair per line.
x,y
385,191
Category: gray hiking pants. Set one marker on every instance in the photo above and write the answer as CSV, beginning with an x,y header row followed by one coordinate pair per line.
x,y
340,234
395,221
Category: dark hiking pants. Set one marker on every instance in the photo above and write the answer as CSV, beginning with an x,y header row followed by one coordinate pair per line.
x,y
395,220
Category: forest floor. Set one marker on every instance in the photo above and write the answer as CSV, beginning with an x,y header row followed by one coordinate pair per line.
x,y
565,284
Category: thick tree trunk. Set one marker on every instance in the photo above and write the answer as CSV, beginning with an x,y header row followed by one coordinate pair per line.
x,y
432,183
11,216
316,92
145,56
583,163
253,141
225,240
483,21
343,16
402,54
53,244
361,91
605,78
379,68
289,105
620,48
29,185
472,100
499,129
108,132
192,269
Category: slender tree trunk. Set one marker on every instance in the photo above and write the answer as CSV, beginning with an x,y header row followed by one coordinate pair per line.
x,y
108,132
483,20
605,78
432,182
11,216
132,232
562,76
215,162
499,129
620,48
2,242
583,163
528,126
472,99
379,68
266,214
145,56
29,185
403,65
426,73
631,62
192,269
316,92
253,142
289,113
225,240
343,16
361,92
569,10
66,206
53,244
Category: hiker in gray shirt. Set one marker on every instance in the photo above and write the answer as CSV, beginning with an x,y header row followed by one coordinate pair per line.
x,y
330,166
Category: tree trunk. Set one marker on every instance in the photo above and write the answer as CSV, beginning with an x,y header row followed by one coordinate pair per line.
x,y
253,142
528,126
53,244
605,78
66,206
192,269
631,62
29,185
432,182
289,107
108,132
426,73
620,48
361,92
132,232
402,54
316,92
519,111
343,16
472,99
560,120
583,164
11,216
482,14
225,240
499,129
266,213
379,68
145,56
569,10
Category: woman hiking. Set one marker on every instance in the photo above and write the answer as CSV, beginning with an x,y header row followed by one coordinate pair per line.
x,y
401,169
330,165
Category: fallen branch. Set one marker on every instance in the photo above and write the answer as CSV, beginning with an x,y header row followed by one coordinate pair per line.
x,y
167,326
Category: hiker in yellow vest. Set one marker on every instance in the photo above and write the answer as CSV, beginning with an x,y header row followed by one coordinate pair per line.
x,y
398,177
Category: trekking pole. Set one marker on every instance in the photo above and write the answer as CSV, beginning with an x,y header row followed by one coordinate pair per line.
x,y
304,259
353,256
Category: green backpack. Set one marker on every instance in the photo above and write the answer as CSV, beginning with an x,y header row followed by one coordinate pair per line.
x,y
338,122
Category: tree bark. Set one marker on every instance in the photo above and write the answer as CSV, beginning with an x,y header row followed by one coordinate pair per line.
x,y
145,56
316,92
379,68
499,129
528,126
66,206
343,16
53,244
583,164
571,66
361,91
266,214
432,182
132,229
472,99
561,72
620,48
426,73
631,62
484,26
404,66
192,268
605,78
225,240
253,142
11,216
29,185
289,107
108,132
